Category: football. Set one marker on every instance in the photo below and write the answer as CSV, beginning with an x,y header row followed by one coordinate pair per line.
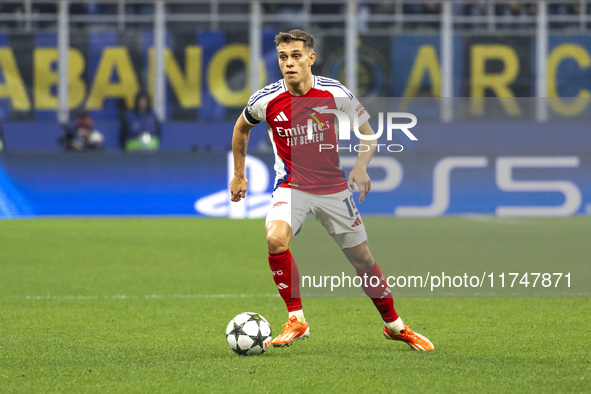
x,y
248,334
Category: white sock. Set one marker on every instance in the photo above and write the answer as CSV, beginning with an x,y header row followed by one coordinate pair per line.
x,y
395,326
299,315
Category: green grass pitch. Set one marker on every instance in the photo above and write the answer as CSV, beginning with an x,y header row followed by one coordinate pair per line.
x,y
141,305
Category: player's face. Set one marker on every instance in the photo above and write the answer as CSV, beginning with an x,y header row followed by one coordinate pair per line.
x,y
295,61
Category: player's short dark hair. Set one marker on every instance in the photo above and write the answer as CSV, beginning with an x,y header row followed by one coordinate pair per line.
x,y
295,35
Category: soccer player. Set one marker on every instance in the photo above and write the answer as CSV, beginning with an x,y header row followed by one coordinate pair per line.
x,y
312,182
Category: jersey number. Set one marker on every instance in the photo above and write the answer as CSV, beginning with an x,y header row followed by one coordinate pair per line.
x,y
350,203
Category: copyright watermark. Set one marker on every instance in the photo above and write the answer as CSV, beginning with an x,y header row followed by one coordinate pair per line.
x,y
433,282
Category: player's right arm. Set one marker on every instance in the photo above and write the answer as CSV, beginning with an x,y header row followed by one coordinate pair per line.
x,y
239,183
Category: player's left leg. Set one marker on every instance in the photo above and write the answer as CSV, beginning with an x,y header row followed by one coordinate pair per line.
x,y
377,289
339,216
381,295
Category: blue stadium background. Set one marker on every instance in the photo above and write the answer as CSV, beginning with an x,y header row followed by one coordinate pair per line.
x,y
190,173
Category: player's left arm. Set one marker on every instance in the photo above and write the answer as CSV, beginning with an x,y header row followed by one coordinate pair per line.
x,y
359,174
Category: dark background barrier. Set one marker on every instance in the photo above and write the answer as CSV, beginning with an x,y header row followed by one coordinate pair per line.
x,y
503,136
177,136
207,72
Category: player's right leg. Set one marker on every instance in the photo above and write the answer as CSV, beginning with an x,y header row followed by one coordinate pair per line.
x,y
280,220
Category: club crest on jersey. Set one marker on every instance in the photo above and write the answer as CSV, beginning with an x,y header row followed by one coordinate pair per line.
x,y
316,114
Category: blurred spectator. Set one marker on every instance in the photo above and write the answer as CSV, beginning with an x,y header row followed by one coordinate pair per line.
x,y
432,8
478,8
14,8
46,10
188,9
567,10
87,138
412,9
559,9
328,9
92,7
145,11
363,11
292,14
515,15
140,9
10,6
385,7
140,129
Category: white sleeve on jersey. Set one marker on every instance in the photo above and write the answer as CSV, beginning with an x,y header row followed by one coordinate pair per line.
x,y
345,100
254,113
354,109
256,109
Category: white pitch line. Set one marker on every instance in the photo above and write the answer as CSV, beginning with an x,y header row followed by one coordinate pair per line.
x,y
443,294
146,297
497,220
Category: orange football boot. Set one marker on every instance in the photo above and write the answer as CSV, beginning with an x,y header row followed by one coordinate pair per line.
x,y
292,330
414,340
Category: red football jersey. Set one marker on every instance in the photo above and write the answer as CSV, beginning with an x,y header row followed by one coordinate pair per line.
x,y
298,129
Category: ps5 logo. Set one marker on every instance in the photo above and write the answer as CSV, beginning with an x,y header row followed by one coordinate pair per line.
x,y
257,200
507,179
